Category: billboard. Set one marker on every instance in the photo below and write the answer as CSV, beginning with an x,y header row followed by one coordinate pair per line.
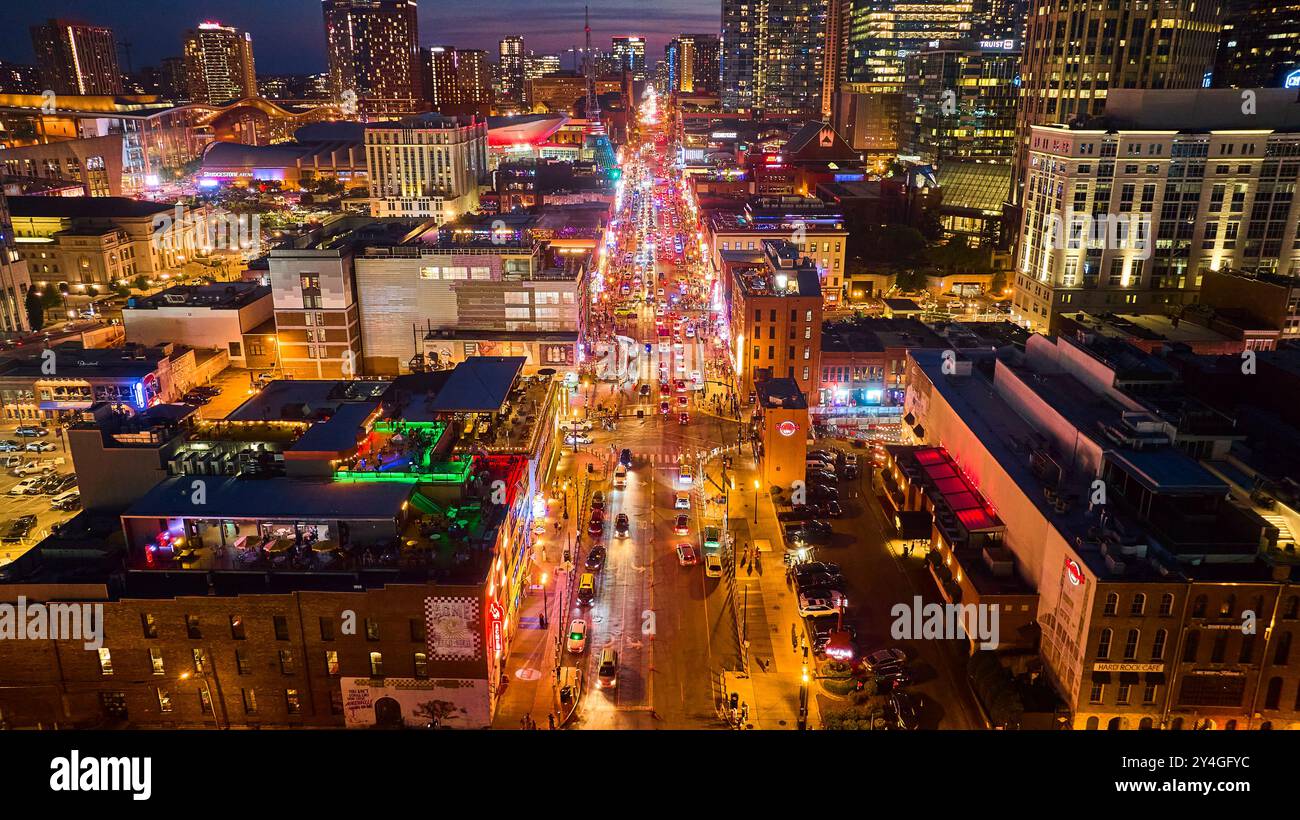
x,y
433,703
453,628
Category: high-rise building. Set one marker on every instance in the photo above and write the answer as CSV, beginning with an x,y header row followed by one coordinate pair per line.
x,y
692,63
630,52
1259,44
773,55
1000,19
374,57
171,79
1127,212
426,166
76,58
474,76
879,34
961,102
219,63
438,79
16,78
536,66
14,279
1075,51
510,65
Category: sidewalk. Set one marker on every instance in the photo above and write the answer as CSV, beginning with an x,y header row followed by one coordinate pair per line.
x,y
768,614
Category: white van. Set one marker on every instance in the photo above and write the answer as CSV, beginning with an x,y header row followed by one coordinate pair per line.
x,y
620,477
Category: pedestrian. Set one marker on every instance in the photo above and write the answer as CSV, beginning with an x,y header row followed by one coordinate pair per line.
x,y
550,720
794,639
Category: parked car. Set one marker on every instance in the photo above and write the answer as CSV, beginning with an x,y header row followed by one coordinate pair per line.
x,y
31,432
196,399
822,629
20,529
712,565
28,486
33,468
821,477
682,501
906,709
823,492
577,641
598,500
893,656
810,532
809,582
69,500
821,601
9,446
578,438
39,447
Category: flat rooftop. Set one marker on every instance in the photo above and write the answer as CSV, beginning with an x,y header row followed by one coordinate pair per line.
x,y
783,394
1147,327
271,498
873,334
480,384
216,296
307,399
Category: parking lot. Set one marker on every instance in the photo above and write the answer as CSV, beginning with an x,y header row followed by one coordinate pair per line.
x,y
16,506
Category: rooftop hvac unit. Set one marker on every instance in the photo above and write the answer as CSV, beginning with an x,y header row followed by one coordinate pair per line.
x,y
1115,565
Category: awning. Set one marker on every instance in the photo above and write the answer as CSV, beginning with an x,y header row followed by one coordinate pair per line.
x,y
424,504
1129,678
1157,678
1101,677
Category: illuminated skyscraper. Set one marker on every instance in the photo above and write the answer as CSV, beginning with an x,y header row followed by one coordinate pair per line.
x,y
219,63
76,58
1076,50
1260,44
692,63
373,54
630,51
510,56
880,34
773,56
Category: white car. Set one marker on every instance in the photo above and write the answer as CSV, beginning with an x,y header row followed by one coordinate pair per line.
x,y
579,438
28,486
10,447
577,641
712,565
663,347
681,365
39,447
682,501
817,602
575,426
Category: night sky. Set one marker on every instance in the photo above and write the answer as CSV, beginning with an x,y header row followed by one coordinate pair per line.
x,y
288,35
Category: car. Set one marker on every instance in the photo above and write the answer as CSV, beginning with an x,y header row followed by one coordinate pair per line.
x,y
663,407
10,446
905,708
31,432
817,568
595,558
851,460
680,385
28,486
686,555
690,331
823,492
598,513
682,501
808,583
20,529
681,364
39,447
644,390
665,389
579,438
576,426
820,601
625,457
32,468
196,399
607,670
69,500
663,346
800,534
682,525
595,527
586,589
712,565
821,477
577,641
821,630
683,418
621,525
829,456
598,500
891,656
891,677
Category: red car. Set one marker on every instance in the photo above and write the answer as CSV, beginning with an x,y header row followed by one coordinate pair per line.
x,y
681,386
683,418
681,401
686,555
663,407
682,526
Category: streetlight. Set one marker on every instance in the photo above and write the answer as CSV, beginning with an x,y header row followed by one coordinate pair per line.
x,y
756,501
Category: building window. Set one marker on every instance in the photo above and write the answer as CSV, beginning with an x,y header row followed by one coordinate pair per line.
x,y
192,627
1112,604
1098,691
327,629
1158,648
250,701
286,661
205,701
164,700
1283,653
417,630
156,661
1190,648
1122,695
237,627
200,661
421,665
376,664
1131,644
331,663
105,661
1149,694
1103,644
1138,606
1167,604
292,703
281,624
372,629
241,662
149,625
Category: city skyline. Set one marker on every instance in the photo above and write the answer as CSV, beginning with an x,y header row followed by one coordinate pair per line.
x,y
299,22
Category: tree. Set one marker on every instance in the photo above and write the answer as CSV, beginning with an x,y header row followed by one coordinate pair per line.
x,y
35,309
998,284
